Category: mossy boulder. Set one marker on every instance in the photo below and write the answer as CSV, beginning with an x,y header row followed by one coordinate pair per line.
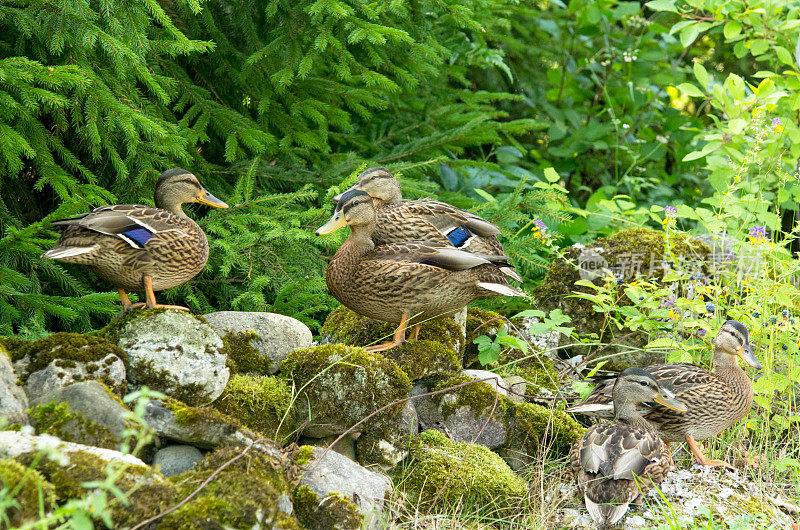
x,y
444,473
254,491
85,412
263,404
13,400
173,352
204,427
386,446
421,358
637,252
535,368
28,489
147,492
341,385
257,342
346,327
345,494
64,358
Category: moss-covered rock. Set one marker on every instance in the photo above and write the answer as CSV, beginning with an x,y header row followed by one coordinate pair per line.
x,y
252,492
261,403
28,489
59,420
174,352
444,473
535,368
630,251
204,427
346,327
340,385
421,358
147,492
9,346
336,513
64,358
387,445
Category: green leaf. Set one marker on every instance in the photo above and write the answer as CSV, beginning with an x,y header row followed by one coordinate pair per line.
x,y
662,5
731,29
759,46
551,175
701,74
485,195
691,90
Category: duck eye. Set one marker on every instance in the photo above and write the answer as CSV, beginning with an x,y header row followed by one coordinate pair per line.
x,y
732,333
643,383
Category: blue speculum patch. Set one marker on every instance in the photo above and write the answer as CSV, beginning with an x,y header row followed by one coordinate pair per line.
x,y
140,235
459,236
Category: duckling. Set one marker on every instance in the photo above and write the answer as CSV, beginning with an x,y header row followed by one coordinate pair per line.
x,y
140,247
715,400
426,219
404,282
616,463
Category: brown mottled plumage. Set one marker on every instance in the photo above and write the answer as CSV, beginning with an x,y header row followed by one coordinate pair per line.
x,y
426,219
616,463
715,400
405,282
140,247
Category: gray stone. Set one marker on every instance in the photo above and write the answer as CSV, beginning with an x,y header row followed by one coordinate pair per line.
x,y
13,401
13,444
102,417
59,374
462,424
176,353
276,335
207,431
176,459
387,445
334,473
490,378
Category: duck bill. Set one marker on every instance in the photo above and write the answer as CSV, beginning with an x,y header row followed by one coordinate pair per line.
x,y
746,353
337,197
206,198
668,400
336,222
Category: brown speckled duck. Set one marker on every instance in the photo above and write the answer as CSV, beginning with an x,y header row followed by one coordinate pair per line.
x,y
426,219
404,282
140,247
715,400
616,463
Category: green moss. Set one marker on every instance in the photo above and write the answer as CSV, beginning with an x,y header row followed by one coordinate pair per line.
x,y
10,346
147,493
420,358
304,455
243,358
340,385
532,422
245,494
59,420
335,512
29,490
162,380
479,322
452,473
260,403
66,348
346,327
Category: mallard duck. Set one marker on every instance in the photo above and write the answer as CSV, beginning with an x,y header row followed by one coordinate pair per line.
x,y
404,282
426,219
616,463
140,247
715,400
